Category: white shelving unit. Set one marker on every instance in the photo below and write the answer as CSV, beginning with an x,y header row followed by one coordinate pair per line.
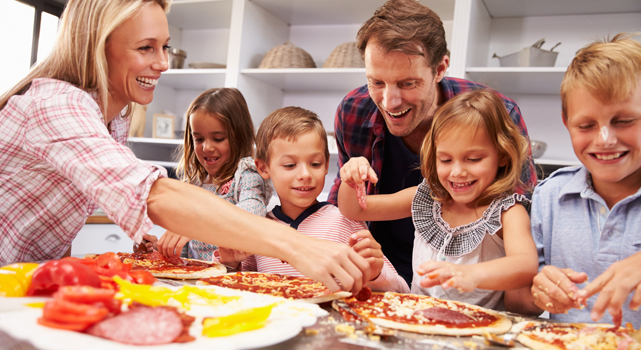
x,y
239,33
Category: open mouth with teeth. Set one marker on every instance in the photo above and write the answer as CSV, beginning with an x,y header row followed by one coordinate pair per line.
x,y
146,82
399,114
304,189
211,160
608,156
461,185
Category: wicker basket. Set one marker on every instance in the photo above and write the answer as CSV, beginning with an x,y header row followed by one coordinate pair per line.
x,y
287,56
345,56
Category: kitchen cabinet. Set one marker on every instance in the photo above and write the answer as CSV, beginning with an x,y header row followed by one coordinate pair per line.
x,y
103,238
238,33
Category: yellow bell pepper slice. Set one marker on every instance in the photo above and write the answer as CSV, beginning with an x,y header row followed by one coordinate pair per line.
x,y
156,296
24,272
10,285
143,293
239,322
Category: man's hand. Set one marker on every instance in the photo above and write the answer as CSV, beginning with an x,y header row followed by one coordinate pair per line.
x,y
555,289
325,261
366,246
170,244
614,285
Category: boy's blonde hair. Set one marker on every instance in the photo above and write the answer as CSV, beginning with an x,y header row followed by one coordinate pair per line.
x,y
227,105
607,69
469,112
78,56
288,123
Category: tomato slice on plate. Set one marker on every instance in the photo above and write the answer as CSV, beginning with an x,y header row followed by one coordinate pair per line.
x,y
79,327
142,277
84,294
64,311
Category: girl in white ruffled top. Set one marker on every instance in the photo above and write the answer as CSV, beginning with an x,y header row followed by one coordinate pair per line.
x,y
472,238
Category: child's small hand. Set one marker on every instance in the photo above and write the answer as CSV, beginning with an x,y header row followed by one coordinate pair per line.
x,y
231,257
366,246
614,285
554,290
171,244
448,275
356,171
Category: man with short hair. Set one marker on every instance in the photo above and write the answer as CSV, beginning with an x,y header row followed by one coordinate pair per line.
x,y
385,121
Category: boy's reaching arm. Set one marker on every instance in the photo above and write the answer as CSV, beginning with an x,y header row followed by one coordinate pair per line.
x,y
378,207
614,285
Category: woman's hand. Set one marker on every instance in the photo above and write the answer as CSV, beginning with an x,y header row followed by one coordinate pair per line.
x,y
614,285
554,290
366,246
327,261
171,244
356,171
448,275
231,257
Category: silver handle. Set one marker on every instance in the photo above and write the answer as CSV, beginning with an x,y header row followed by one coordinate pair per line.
x,y
112,237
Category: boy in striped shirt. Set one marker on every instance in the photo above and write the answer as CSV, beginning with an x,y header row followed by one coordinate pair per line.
x,y
291,150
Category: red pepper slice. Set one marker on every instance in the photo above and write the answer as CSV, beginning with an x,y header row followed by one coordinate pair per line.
x,y
48,277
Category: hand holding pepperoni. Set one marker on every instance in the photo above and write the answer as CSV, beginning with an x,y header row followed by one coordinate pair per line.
x,y
366,246
448,275
614,285
554,290
171,244
356,171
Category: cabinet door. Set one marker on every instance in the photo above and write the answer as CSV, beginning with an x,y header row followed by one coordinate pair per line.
x,y
99,238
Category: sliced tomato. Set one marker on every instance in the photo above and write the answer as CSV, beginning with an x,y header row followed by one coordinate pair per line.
x,y
113,305
142,277
84,294
108,264
84,312
78,327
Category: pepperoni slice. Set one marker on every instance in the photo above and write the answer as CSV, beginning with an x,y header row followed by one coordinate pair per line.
x,y
142,325
361,194
441,314
364,294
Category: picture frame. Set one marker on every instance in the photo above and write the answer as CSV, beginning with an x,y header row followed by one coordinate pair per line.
x,y
163,126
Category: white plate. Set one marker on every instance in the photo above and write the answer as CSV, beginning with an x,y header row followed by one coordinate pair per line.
x,y
285,322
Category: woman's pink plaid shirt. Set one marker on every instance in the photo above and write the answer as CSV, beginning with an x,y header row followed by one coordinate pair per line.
x,y
58,163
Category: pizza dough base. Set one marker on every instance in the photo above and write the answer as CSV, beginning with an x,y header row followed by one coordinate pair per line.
x,y
501,326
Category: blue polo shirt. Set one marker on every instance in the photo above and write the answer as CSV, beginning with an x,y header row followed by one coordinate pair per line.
x,y
573,228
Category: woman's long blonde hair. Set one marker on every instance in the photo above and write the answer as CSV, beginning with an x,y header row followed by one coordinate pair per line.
x,y
229,106
471,111
78,56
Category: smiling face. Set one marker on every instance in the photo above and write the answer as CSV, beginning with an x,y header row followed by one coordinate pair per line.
x,y
606,137
136,55
297,170
404,88
466,163
211,142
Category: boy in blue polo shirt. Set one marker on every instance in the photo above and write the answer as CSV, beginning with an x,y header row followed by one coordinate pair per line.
x,y
586,221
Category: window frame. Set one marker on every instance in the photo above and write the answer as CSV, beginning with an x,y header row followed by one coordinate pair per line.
x,y
51,7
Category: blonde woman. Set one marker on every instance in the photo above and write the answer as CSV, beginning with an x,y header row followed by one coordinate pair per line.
x,y
62,152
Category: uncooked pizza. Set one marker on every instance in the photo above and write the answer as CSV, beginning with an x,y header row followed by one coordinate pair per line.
x,y
576,336
427,315
290,287
176,268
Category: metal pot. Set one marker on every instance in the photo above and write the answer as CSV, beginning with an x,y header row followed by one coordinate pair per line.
x,y
176,58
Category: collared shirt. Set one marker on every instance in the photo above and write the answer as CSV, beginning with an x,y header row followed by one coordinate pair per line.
x,y
58,163
360,130
573,228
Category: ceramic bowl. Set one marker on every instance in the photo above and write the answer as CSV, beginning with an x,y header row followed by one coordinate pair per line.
x,y
538,148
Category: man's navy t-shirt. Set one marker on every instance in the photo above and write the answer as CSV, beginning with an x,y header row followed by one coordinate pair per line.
x,y
401,169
